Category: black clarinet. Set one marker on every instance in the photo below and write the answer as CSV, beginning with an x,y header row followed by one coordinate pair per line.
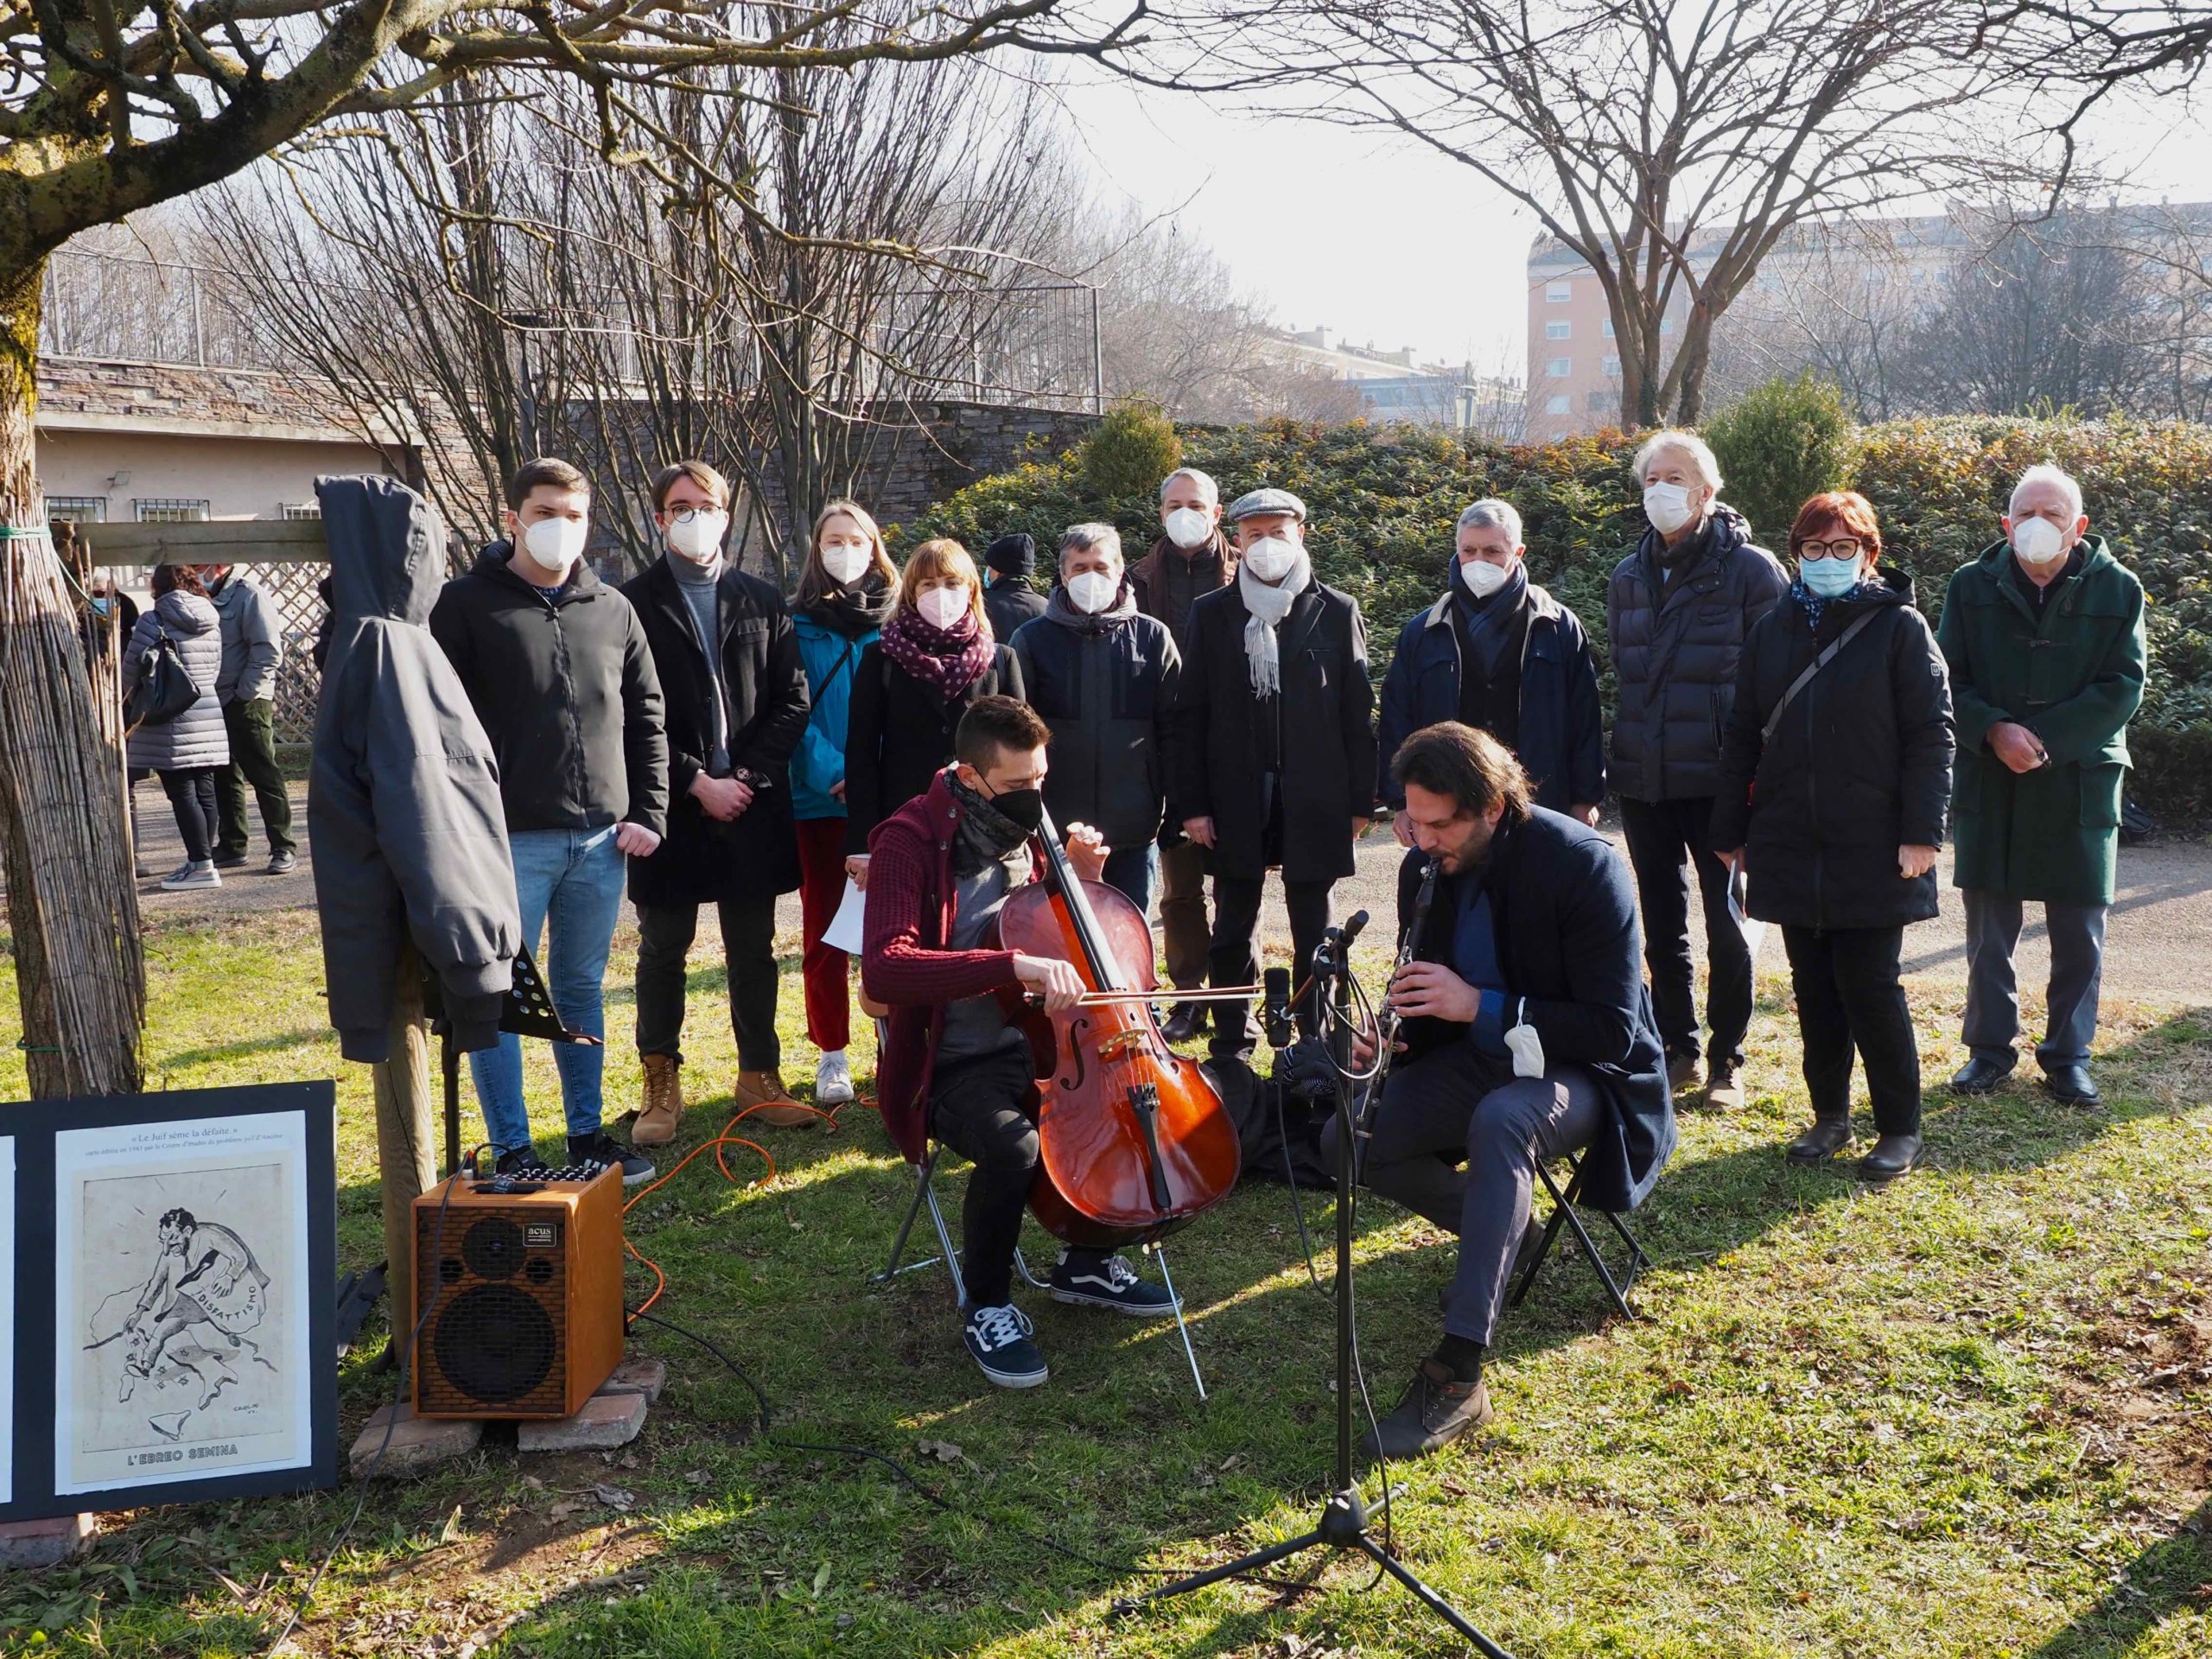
x,y
1386,1027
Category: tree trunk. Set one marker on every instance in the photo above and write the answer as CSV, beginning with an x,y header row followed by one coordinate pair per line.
x,y
73,917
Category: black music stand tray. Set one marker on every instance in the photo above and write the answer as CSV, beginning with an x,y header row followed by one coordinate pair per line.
x,y
528,1012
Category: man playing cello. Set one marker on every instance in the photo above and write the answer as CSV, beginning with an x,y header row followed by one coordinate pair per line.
x,y
953,1067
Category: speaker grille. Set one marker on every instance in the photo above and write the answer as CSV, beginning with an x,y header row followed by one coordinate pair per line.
x,y
495,1343
493,1248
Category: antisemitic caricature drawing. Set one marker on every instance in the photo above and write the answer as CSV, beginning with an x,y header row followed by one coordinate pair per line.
x,y
179,1325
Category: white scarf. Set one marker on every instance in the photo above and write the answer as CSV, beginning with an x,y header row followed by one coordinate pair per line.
x,y
1269,606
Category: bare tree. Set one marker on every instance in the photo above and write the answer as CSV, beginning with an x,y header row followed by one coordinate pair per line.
x,y
1669,144
106,112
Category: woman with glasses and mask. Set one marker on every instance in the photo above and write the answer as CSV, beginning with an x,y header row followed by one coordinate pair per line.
x,y
935,657
1835,775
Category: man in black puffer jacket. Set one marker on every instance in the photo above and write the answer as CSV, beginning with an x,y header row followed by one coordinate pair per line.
x,y
1676,614
1103,675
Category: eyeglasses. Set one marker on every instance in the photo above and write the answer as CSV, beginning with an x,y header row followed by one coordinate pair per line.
x,y
1846,548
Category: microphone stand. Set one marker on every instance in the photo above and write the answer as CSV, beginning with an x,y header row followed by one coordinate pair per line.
x,y
1343,1523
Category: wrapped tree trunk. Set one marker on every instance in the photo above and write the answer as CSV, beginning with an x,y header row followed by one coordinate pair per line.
x,y
72,914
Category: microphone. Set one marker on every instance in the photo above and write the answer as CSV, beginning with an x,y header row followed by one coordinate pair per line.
x,y
1353,928
1281,1034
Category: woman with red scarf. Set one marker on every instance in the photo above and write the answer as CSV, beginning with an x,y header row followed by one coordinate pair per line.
x,y
935,657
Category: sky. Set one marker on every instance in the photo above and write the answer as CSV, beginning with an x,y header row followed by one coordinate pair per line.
x,y
1397,246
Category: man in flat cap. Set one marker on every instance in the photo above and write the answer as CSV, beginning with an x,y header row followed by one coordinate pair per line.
x,y
1008,600
1272,747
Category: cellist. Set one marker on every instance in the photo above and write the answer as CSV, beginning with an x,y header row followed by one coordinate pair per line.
x,y
953,1067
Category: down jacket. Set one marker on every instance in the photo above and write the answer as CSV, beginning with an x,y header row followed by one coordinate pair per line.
x,y
1674,643
1860,767
197,737
403,793
1105,690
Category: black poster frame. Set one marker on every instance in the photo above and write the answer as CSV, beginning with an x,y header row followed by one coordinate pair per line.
x,y
32,1126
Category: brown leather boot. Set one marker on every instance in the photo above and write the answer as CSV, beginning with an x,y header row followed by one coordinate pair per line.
x,y
766,1090
662,1107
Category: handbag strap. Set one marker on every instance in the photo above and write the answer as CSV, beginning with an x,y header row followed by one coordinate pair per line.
x,y
1805,677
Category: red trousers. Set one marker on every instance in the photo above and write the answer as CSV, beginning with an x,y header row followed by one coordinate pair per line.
x,y
821,890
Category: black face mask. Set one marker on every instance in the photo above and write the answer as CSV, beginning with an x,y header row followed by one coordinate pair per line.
x,y
1024,806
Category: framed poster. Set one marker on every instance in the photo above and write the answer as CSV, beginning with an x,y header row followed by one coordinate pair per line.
x,y
7,1319
172,1315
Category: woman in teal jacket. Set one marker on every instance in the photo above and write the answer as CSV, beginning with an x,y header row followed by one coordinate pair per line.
x,y
844,593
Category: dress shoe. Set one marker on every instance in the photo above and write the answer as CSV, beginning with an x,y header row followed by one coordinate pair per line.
x,y
1724,1091
763,1099
1681,1071
2073,1084
1828,1137
1432,1413
662,1108
1185,1021
1979,1077
1892,1156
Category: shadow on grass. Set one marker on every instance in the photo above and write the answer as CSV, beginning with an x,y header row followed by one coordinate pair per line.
x,y
218,1054
2170,1574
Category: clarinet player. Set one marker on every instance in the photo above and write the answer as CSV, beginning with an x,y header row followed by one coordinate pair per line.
x,y
1528,1033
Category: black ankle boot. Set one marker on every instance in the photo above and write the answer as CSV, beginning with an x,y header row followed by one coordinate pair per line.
x,y
1828,1137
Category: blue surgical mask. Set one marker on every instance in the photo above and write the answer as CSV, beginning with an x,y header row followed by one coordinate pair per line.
x,y
1829,578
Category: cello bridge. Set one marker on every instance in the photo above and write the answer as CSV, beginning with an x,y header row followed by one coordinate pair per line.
x,y
1122,1041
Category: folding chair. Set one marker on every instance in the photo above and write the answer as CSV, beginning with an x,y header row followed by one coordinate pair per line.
x,y
1618,1285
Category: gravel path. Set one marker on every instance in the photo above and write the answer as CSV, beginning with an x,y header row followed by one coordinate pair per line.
x,y
2158,948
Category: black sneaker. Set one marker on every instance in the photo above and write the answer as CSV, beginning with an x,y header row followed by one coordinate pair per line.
x,y
604,1149
230,861
997,1339
521,1160
1092,1280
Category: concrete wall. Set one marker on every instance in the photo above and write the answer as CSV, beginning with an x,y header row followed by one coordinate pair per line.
x,y
239,478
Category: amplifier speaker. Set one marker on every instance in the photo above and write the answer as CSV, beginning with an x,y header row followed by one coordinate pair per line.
x,y
527,1320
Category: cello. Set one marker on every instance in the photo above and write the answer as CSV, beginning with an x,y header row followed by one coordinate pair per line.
x,y
1133,1140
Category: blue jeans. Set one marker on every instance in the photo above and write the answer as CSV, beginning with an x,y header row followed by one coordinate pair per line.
x,y
1135,871
569,881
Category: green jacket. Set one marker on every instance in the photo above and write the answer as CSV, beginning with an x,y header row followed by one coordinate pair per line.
x,y
2075,679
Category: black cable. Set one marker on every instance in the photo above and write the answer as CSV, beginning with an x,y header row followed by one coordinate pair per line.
x,y
908,1478
391,1422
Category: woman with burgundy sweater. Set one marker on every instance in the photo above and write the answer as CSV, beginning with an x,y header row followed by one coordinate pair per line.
x,y
935,657
952,1068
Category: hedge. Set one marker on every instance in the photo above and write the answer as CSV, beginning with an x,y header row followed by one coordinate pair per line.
x,y
1382,499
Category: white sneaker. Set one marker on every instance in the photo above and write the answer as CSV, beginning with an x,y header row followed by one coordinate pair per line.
x,y
833,1080
192,876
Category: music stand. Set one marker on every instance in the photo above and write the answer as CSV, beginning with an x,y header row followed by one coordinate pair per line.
x,y
527,1012
1343,1524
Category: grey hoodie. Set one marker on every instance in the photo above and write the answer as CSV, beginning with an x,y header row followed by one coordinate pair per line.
x,y
404,793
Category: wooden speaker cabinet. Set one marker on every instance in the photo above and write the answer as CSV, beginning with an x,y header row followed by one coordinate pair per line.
x,y
527,1315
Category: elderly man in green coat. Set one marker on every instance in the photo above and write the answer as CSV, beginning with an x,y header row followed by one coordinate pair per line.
x,y
2044,637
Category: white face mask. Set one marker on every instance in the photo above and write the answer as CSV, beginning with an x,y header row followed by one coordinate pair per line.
x,y
1271,558
1187,527
697,532
2038,541
554,544
1483,578
846,561
941,607
1668,507
1092,591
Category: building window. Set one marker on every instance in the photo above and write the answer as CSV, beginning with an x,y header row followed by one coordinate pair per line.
x,y
1558,405
299,510
1556,292
1609,328
1559,367
1612,367
1559,329
78,509
167,510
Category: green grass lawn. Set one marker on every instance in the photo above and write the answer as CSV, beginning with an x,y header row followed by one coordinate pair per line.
x,y
1963,1416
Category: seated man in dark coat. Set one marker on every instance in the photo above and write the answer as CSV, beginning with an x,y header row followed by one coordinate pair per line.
x,y
1532,934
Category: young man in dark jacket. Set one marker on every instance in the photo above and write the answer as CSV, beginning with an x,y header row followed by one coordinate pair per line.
x,y
1008,600
1104,676
1189,559
1500,654
1528,1035
1676,612
952,1069
2044,636
1272,762
733,696
556,666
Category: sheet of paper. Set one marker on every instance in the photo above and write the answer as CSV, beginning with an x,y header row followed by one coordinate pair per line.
x,y
843,933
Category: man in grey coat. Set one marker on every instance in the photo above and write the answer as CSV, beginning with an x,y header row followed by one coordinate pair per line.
x,y
246,687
